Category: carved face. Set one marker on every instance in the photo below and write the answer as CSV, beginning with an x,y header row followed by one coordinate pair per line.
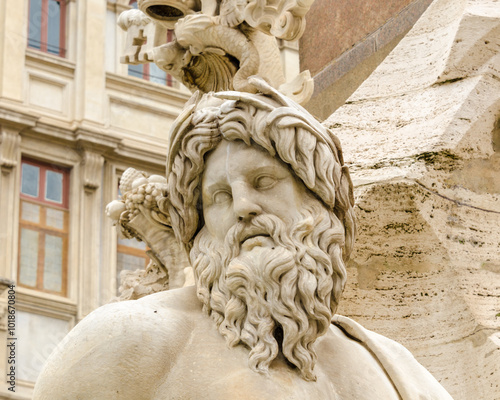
x,y
242,182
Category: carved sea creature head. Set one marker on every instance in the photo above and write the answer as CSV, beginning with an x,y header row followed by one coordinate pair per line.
x,y
275,123
167,12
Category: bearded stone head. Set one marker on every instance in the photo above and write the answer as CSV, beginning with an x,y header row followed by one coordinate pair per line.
x,y
260,197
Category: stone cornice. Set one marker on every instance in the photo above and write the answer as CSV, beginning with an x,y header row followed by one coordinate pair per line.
x,y
16,119
50,62
29,299
96,141
163,94
146,156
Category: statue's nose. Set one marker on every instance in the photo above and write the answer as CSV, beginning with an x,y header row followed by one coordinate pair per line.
x,y
245,203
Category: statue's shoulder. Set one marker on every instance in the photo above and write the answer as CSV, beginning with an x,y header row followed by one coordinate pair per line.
x,y
129,338
410,378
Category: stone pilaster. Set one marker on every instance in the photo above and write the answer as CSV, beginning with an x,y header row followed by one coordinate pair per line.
x,y
13,43
90,228
9,155
90,72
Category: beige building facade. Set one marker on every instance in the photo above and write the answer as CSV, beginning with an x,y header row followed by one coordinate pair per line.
x,y
72,119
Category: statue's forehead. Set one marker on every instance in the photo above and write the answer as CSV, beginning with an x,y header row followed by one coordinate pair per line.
x,y
235,157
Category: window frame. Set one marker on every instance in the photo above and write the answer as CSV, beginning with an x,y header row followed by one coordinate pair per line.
x,y
44,27
41,226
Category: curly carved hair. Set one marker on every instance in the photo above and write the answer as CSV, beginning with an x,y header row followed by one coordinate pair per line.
x,y
275,123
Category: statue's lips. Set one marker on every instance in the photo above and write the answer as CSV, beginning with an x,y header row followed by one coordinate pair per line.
x,y
252,232
253,239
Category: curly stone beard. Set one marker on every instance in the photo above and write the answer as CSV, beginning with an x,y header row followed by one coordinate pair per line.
x,y
278,297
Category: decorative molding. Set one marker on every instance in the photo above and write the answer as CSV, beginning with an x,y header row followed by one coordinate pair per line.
x,y
90,139
44,303
16,118
92,170
9,147
143,89
50,63
5,283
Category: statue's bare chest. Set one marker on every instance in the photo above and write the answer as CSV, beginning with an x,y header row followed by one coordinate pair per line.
x,y
222,378
207,369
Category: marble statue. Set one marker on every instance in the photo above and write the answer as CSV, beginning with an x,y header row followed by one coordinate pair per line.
x,y
258,196
257,192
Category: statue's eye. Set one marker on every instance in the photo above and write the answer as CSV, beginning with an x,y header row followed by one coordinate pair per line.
x,y
221,196
265,182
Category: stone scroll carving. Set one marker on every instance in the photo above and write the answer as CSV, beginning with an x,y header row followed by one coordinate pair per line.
x,y
9,144
218,45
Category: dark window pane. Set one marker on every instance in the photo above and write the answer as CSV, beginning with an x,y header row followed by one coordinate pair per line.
x,y
157,75
52,271
54,26
29,257
35,24
53,186
30,180
136,70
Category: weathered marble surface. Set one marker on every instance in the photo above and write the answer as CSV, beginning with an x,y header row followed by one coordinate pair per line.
x,y
258,194
421,137
164,347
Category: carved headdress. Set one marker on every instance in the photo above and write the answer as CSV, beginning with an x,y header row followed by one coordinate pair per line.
x,y
270,120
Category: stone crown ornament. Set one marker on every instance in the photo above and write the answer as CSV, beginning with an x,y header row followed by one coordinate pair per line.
x,y
283,19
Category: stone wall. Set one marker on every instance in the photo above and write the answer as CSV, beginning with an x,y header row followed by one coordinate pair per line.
x,y
334,27
421,136
344,42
